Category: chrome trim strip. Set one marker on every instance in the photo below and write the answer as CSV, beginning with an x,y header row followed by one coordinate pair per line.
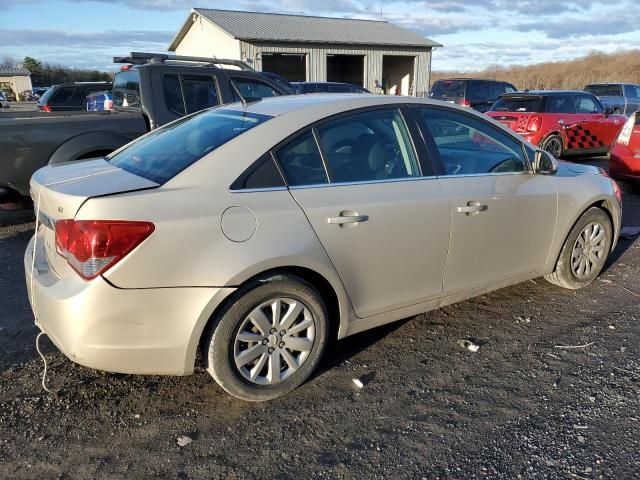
x,y
256,190
364,182
46,220
487,174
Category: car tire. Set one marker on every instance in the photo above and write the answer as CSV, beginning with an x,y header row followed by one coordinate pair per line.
x,y
282,361
584,252
554,145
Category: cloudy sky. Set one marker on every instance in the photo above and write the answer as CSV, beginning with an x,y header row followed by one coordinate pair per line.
x,y
475,33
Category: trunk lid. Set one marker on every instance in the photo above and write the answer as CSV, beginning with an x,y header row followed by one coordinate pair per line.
x,y
59,191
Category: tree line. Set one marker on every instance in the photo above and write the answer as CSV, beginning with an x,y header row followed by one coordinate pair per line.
x,y
623,67
45,74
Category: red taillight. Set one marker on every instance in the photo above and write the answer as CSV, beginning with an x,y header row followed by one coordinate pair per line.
x,y
91,247
125,68
534,123
46,108
465,103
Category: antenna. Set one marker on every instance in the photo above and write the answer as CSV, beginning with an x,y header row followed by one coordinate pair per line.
x,y
233,86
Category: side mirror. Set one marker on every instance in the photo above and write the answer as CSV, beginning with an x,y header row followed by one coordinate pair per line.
x,y
608,111
545,163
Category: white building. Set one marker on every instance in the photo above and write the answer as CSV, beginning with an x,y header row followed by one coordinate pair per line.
x,y
368,53
17,79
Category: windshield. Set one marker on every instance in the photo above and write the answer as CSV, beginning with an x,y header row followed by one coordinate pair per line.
x,y
162,154
448,89
605,90
518,104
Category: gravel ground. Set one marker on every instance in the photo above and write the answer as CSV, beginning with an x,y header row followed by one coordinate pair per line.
x,y
518,408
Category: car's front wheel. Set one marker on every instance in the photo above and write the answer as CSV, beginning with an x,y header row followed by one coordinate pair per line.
x,y
269,340
585,251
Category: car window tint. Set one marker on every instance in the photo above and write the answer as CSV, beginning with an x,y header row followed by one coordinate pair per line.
x,y
262,174
339,88
561,104
301,161
173,94
166,151
200,92
62,96
251,88
587,104
470,146
497,89
368,146
478,91
508,88
448,89
520,103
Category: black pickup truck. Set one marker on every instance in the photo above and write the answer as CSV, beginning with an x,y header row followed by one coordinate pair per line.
x,y
149,91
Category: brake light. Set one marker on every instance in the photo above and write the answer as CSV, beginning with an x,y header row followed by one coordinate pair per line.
x,y
91,247
534,123
46,108
625,134
125,68
465,103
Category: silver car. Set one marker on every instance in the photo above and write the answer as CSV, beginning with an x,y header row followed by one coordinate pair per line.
x,y
257,232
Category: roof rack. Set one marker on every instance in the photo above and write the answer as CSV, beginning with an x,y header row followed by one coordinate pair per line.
x,y
141,58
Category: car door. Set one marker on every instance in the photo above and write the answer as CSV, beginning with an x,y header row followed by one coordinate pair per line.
x,y
383,223
596,131
502,215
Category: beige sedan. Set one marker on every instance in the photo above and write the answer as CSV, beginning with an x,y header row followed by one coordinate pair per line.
x,y
255,233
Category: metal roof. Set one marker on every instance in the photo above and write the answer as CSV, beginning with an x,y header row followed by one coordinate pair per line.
x,y
276,27
14,72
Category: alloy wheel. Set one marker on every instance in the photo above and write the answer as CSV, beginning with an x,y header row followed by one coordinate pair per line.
x,y
589,250
274,340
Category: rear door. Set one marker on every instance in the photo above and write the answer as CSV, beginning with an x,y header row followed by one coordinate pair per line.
x,y
383,223
502,215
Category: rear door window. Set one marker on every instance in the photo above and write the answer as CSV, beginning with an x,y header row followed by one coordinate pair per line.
x,y
478,91
561,104
165,152
368,146
301,161
173,94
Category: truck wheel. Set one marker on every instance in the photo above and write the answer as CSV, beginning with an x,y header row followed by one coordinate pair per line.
x,y
584,252
269,340
554,145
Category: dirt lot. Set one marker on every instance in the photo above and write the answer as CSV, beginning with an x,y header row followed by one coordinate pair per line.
x,y
518,408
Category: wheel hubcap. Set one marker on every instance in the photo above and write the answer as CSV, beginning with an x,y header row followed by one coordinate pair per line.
x,y
274,340
554,147
589,250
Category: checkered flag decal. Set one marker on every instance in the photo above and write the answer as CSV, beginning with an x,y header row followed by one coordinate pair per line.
x,y
579,137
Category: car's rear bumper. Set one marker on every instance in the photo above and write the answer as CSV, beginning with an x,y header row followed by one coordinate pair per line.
x,y
141,331
624,164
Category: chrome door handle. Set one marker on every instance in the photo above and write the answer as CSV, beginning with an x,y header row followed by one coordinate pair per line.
x,y
347,217
472,208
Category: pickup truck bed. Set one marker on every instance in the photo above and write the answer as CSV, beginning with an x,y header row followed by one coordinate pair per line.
x,y
31,140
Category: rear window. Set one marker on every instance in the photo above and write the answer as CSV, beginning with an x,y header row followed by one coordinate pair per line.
x,y
448,89
46,96
605,90
518,104
126,89
165,152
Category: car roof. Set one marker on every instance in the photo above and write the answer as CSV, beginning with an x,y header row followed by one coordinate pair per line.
x,y
468,78
326,103
546,92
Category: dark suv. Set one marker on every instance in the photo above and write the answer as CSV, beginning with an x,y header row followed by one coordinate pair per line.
x,y
470,92
69,96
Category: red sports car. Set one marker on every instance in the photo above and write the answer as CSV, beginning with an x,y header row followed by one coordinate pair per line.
x,y
624,161
560,122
